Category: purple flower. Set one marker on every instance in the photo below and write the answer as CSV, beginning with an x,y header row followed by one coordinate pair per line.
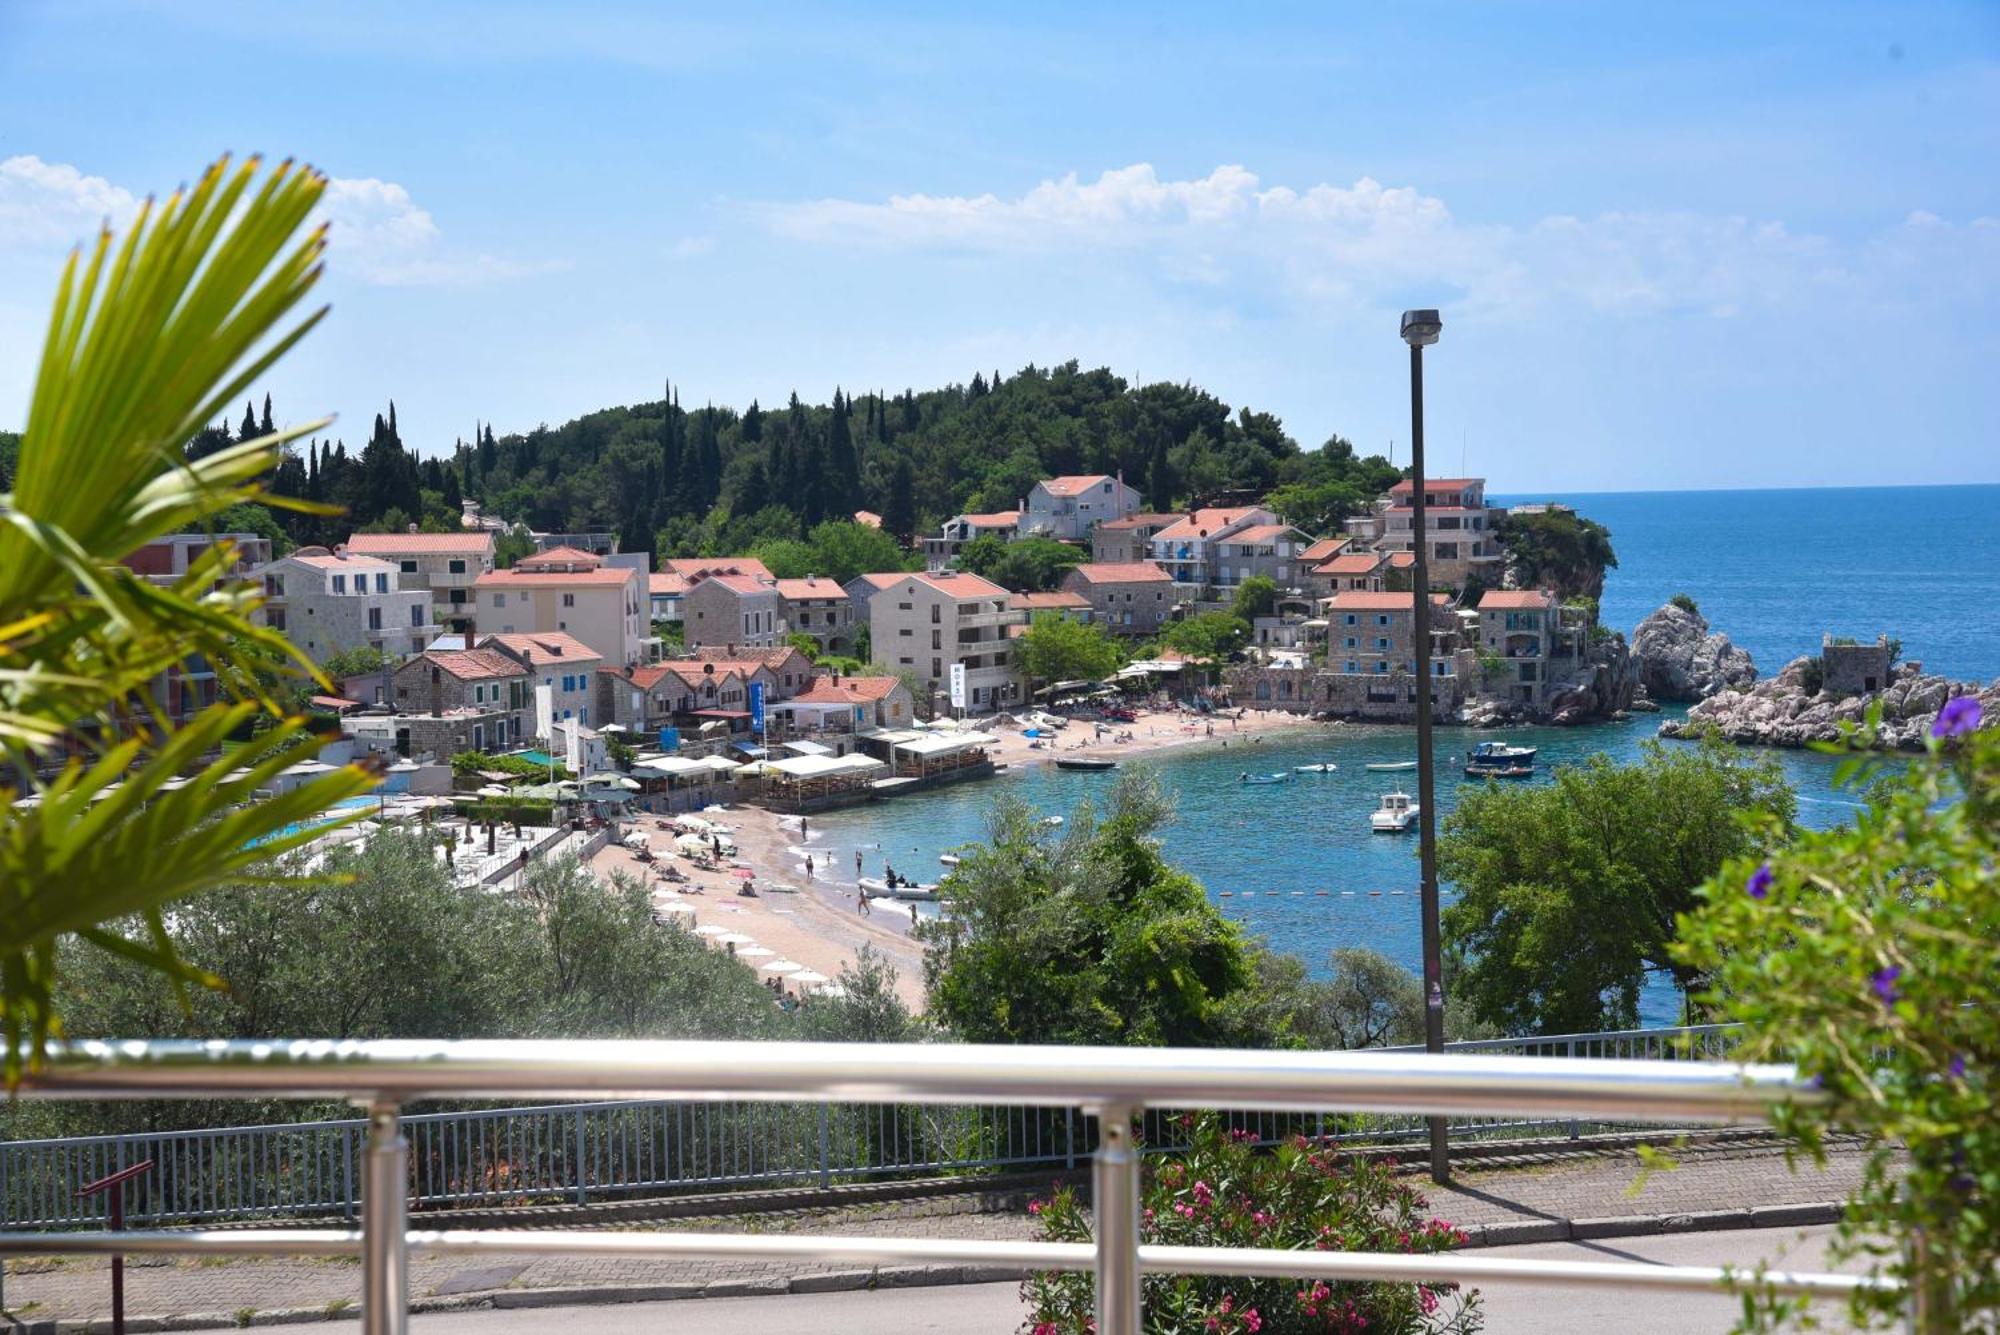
x,y
1958,1066
1885,983
1760,882
1957,718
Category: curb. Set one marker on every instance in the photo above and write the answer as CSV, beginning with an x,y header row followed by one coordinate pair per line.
x,y
919,1276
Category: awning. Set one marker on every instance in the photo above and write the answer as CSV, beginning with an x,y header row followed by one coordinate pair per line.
x,y
750,749
720,713
819,767
943,745
672,767
808,749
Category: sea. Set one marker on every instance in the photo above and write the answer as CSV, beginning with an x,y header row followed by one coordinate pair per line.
x,y
1296,862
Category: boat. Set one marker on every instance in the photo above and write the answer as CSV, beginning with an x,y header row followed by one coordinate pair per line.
x,y
1051,822
876,888
1386,766
1499,753
1499,771
1395,815
1092,765
1279,777
948,859
1324,767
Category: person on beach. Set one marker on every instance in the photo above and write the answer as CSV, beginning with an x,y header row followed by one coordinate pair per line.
x,y
857,864
809,866
861,902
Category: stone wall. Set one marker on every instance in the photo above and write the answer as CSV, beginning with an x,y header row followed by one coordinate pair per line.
x,y
1854,669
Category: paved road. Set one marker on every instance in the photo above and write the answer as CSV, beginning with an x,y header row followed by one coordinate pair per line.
x,y
979,1308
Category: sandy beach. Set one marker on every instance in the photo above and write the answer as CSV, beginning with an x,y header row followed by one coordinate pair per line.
x,y
816,921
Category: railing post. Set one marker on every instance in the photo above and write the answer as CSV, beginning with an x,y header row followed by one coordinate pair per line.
x,y
825,1150
1574,1132
582,1189
385,1181
1114,1201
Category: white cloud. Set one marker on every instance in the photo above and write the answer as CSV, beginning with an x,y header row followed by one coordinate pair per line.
x,y
376,232
1349,245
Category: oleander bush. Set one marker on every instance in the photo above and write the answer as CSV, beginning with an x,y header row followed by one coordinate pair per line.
x,y
1303,1195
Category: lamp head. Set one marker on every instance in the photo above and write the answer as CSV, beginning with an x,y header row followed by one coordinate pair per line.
x,y
1420,328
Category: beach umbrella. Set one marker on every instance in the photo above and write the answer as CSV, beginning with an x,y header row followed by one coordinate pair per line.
x,y
782,966
712,929
673,906
754,952
808,977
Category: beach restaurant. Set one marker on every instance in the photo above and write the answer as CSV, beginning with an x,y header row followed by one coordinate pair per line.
x,y
681,783
800,782
933,756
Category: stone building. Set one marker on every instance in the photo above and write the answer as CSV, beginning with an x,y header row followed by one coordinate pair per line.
x,y
483,682
448,564
1123,541
1849,668
1130,599
328,601
818,607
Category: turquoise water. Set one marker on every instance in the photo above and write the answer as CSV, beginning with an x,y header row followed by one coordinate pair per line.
x,y
335,812
1775,569
1274,848
544,758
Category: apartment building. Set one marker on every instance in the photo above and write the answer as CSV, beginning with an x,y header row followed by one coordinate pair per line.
x,y
929,622
1134,598
818,607
1459,529
1187,549
1539,643
1068,508
1374,634
942,550
1274,551
733,609
559,661
329,601
189,687
447,564
572,591
1069,606
1350,572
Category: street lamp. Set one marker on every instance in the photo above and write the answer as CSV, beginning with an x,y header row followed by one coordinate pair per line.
x,y
1420,330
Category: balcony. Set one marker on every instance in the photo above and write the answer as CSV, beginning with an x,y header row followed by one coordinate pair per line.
x,y
1112,1086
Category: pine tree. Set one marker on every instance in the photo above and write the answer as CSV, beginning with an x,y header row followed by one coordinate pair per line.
x,y
753,423
978,390
1160,481
843,471
899,514
249,428
266,427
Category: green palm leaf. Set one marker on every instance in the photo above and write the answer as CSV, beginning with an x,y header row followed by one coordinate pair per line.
x,y
150,337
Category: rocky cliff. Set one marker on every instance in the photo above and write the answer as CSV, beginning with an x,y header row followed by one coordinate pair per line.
x,y
1606,685
1680,659
1786,711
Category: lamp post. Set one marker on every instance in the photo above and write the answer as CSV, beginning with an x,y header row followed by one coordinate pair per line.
x,y
1420,329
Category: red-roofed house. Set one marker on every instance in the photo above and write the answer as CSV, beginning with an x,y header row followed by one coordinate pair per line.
x,y
1458,529
818,607
678,694
1062,602
475,682
561,662
445,563
691,567
1524,627
1189,549
940,551
1351,572
1371,633
1131,598
926,623
1067,508
1117,541
730,608
835,705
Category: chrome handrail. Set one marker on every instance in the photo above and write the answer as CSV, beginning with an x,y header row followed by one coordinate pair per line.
x,y
1113,1083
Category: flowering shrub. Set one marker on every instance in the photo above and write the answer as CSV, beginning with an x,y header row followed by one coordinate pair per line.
x,y
1304,1196
1868,956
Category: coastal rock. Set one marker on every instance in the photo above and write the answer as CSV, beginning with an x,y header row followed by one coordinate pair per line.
x,y
1679,659
1784,710
1608,685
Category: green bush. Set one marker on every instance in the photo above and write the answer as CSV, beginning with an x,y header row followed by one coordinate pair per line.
x,y
466,764
1303,1196
1865,955
507,810
1686,604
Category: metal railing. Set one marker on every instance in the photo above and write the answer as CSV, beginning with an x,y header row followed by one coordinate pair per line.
x,y
583,1152
1114,1085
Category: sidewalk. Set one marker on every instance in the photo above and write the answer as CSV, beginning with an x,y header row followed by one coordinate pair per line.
x,y
1532,1199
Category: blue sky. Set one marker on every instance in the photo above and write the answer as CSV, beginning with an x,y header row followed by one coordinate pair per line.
x,y
1675,245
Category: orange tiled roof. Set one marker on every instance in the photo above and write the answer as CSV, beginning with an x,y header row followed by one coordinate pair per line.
x,y
1203,523
961,585
867,519
544,648
1438,484
1513,600
1121,572
441,544
1040,602
848,690
1074,484
1139,521
994,519
1323,549
666,582
816,587
1350,563
560,556
606,576
687,567
474,664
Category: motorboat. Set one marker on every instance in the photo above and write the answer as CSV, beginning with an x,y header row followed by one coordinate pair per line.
x,y
1324,767
948,859
924,894
1396,814
1048,722
876,887
1391,766
1082,764
1499,753
1499,771
1280,777
1051,822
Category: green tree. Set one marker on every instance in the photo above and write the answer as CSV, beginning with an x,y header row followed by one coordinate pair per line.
x,y
805,644
1255,597
899,512
1083,937
1559,550
1568,893
147,344
1034,565
1057,648
982,555
1215,636
843,549
1865,956
357,662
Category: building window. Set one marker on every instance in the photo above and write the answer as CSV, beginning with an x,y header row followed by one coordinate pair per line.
x,y
456,566
499,601
408,567
374,618
340,584
417,614
1352,666
382,583
569,600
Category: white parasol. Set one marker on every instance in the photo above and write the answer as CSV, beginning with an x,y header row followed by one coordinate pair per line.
x,y
782,966
712,929
754,952
808,977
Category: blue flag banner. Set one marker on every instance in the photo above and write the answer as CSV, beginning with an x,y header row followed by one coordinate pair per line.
x,y
757,707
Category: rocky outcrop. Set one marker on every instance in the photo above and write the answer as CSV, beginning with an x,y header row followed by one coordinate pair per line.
x,y
1606,688
1789,710
1679,659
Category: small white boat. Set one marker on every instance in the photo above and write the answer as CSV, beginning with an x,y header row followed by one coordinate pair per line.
x,y
921,893
1324,767
1395,815
1390,766
948,859
1051,822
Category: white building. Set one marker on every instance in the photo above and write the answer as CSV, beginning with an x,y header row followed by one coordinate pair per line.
x,y
329,601
1067,508
927,623
606,607
448,564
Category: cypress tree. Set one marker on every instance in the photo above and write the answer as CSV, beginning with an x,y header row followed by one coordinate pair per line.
x,y
709,453
265,427
669,485
249,428
842,482
753,423
899,515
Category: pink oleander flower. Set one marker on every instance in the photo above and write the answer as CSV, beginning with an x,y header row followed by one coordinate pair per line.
x,y
1202,1194
1034,1207
1251,1321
